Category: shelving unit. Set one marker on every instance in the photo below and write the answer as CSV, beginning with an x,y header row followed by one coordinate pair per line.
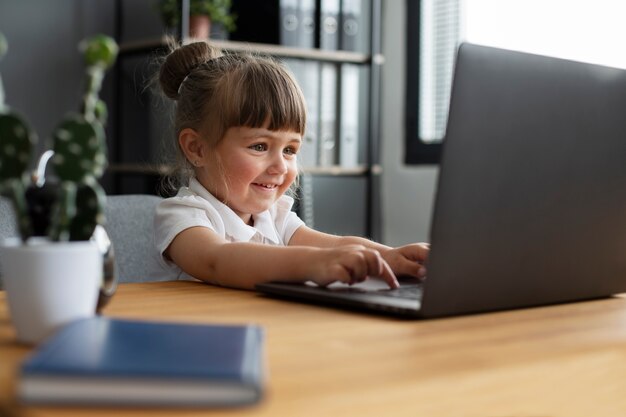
x,y
358,195
148,45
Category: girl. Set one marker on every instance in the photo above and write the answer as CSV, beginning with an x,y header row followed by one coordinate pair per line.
x,y
239,125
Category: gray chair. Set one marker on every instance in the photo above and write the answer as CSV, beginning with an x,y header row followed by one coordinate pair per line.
x,y
8,225
129,226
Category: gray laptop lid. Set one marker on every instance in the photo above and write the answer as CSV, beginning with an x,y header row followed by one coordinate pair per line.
x,y
531,197
531,200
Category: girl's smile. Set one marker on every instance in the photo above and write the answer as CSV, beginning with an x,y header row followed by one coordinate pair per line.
x,y
268,187
253,168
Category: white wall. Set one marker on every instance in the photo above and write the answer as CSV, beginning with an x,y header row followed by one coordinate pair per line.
x,y
407,191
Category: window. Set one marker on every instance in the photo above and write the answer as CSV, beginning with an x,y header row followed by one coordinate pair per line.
x,y
583,30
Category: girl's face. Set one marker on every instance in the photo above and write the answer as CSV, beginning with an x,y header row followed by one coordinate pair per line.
x,y
256,167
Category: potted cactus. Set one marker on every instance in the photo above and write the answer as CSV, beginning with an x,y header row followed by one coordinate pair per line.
x,y
79,155
78,159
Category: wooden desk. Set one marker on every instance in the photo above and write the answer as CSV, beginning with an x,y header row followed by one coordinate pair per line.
x,y
567,360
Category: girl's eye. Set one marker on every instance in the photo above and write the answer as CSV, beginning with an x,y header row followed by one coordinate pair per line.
x,y
259,147
290,151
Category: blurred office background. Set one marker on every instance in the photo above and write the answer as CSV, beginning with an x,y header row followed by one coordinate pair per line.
x,y
43,76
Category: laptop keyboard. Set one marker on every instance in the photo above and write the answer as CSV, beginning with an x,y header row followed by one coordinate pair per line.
x,y
411,292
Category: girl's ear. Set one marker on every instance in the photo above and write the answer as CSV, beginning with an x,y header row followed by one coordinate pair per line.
x,y
193,146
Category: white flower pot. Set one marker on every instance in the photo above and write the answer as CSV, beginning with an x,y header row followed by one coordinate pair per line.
x,y
49,284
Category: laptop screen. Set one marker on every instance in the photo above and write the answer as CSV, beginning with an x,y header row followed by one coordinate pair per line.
x,y
531,200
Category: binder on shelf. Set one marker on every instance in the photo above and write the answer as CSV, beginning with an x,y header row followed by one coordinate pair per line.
x,y
306,212
257,21
311,89
355,25
306,26
340,204
329,24
289,22
364,115
281,22
328,115
349,132
307,74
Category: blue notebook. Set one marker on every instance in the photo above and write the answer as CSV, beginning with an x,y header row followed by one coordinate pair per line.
x,y
120,362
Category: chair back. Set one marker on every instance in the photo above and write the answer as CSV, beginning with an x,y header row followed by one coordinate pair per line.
x,y
129,224
8,225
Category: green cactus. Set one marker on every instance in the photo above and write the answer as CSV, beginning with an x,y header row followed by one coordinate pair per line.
x,y
80,150
79,209
14,190
4,46
90,199
63,212
101,112
100,53
79,159
16,145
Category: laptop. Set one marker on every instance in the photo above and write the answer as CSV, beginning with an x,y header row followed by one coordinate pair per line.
x,y
530,207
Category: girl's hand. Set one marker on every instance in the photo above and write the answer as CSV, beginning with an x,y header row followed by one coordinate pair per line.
x,y
350,264
408,259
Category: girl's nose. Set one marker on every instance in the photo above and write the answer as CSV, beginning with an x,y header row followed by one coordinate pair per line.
x,y
278,165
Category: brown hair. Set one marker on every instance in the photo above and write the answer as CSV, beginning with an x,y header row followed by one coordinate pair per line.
x,y
215,91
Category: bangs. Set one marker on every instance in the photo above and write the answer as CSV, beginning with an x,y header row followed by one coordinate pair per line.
x,y
263,94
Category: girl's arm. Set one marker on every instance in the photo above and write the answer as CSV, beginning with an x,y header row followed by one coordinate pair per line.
x,y
404,260
305,236
204,255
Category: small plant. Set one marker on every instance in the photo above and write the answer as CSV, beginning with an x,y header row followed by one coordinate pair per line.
x,y
79,145
217,10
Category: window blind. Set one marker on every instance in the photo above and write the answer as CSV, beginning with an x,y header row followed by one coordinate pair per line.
x,y
440,33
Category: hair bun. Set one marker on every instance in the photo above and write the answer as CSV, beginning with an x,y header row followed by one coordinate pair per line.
x,y
180,62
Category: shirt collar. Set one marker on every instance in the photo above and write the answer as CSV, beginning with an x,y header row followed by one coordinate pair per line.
x,y
235,227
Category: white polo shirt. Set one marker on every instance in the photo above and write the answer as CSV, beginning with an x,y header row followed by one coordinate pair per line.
x,y
194,206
